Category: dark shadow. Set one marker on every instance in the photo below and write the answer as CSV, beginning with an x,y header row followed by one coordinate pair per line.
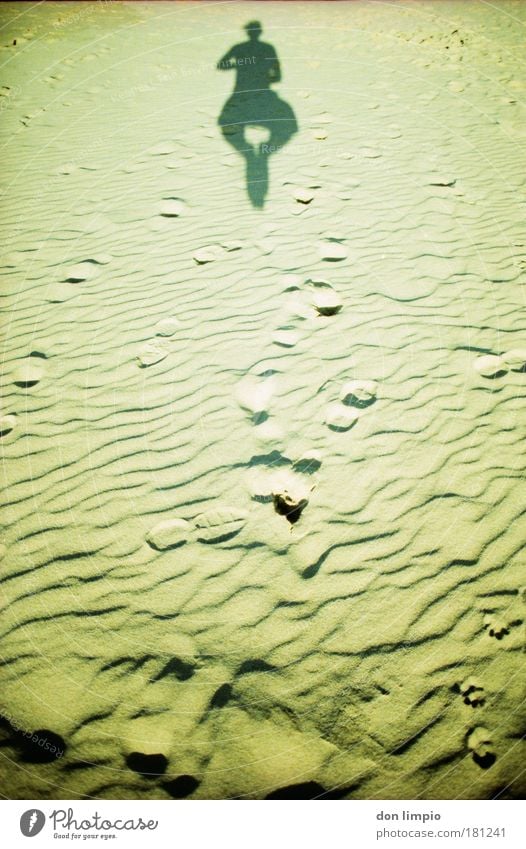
x,y
182,786
254,104
148,766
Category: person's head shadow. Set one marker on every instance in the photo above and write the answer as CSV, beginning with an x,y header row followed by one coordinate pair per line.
x,y
254,120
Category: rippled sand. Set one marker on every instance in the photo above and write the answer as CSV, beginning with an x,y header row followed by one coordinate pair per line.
x,y
264,503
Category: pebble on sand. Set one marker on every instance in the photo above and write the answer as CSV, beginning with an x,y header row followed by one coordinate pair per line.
x,y
515,359
490,365
169,534
289,505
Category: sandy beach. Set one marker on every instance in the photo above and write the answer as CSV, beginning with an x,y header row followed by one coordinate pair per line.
x,y
263,378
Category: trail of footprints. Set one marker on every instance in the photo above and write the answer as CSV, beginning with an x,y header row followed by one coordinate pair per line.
x,y
479,740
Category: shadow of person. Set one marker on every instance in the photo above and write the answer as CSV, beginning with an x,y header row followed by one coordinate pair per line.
x,y
254,120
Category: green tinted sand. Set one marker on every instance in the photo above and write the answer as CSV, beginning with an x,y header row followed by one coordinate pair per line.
x,y
263,533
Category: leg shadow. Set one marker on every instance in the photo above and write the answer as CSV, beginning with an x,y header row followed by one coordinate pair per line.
x,y
257,125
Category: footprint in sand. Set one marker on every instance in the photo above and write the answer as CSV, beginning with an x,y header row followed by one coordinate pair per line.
x,y
82,271
172,207
340,418
59,293
355,397
169,534
325,299
295,315
218,524
208,254
254,394
286,337
358,393
308,463
472,692
152,352
162,149
31,370
480,744
167,326
515,359
285,484
490,366
7,424
303,196
495,626
332,250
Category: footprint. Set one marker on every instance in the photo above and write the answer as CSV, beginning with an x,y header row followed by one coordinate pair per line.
x,y
472,692
358,393
31,370
219,524
162,149
495,627
515,359
479,742
208,254
152,352
339,417
82,271
303,196
275,475
332,251
231,246
59,293
254,395
325,299
172,208
7,424
490,366
169,534
308,463
286,337
166,326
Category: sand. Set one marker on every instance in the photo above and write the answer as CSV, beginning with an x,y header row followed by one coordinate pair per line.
x,y
262,447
